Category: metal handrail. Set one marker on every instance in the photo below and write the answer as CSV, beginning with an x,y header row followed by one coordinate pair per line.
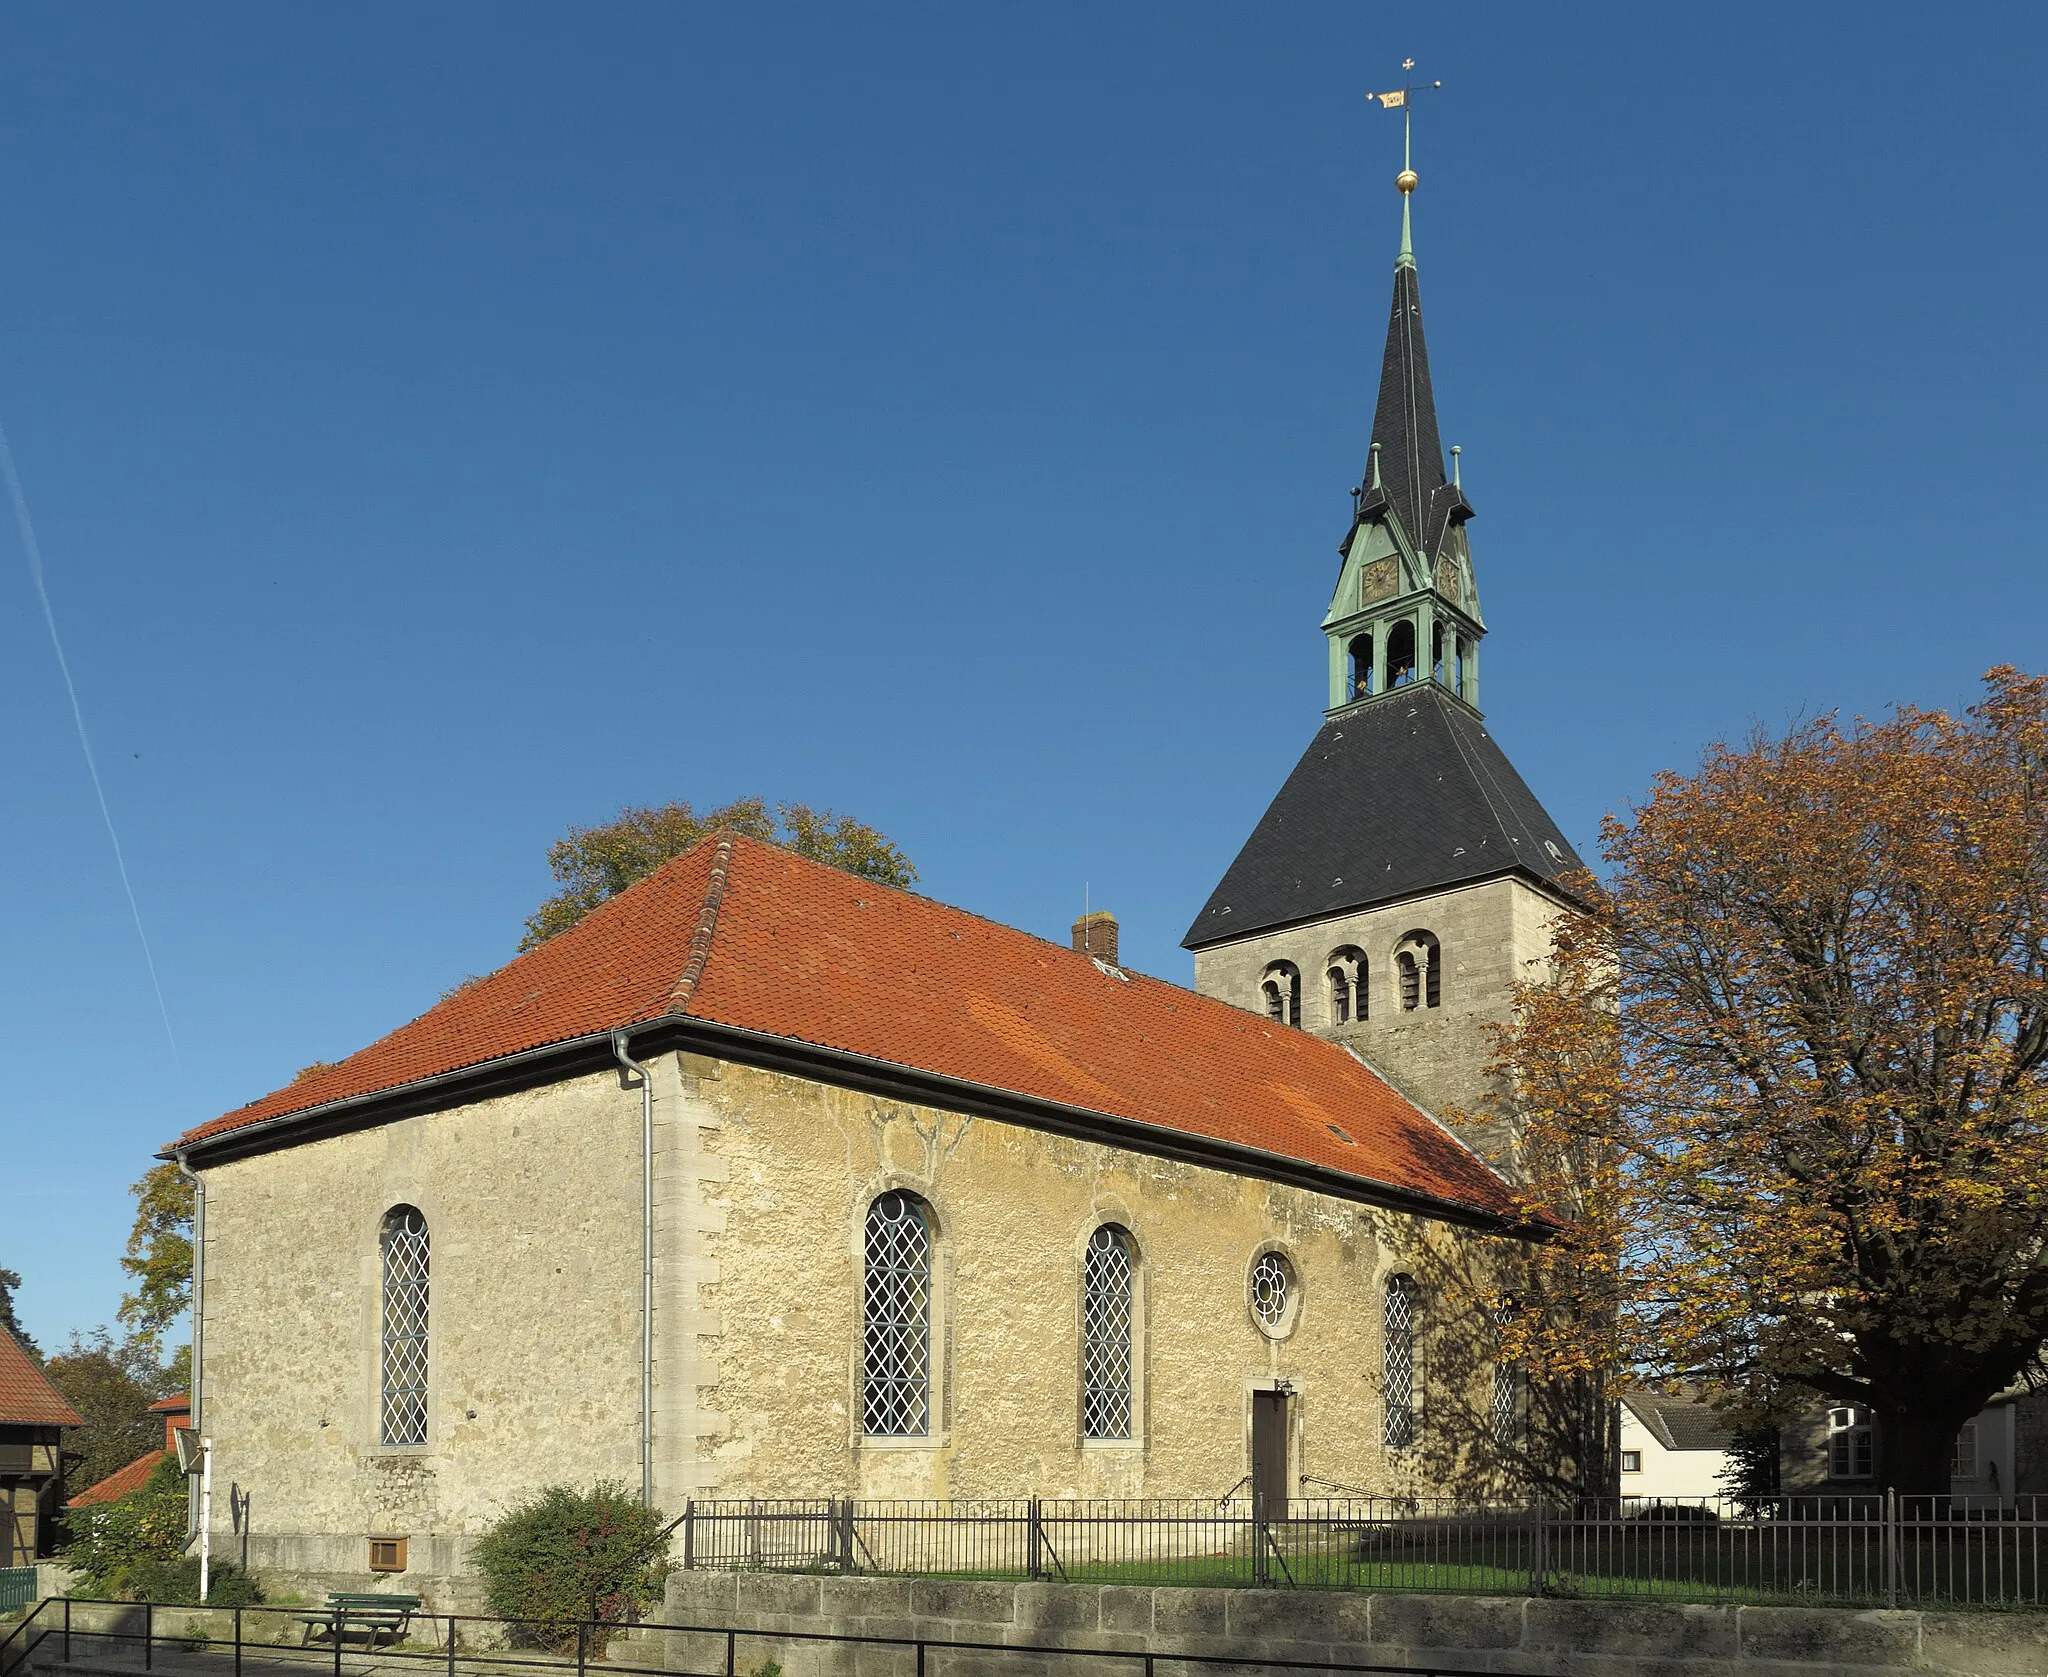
x,y
731,1636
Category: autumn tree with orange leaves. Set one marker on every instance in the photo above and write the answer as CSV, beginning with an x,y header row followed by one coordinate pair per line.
x,y
1786,1091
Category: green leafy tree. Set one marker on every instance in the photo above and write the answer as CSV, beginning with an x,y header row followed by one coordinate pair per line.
x,y
594,864
1752,1473
133,1548
1785,1092
10,1282
111,1384
159,1259
569,1558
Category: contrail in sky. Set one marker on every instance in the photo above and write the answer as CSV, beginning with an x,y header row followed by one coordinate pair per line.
x,y
35,570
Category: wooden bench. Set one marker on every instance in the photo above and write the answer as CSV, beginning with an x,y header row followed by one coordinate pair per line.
x,y
372,1613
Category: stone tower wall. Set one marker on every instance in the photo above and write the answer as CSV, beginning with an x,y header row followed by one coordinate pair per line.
x,y
1493,936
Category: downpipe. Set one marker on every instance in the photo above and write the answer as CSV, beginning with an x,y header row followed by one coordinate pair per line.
x,y
633,1067
198,1491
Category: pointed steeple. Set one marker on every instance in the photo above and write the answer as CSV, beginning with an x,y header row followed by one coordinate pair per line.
x,y
1406,605
1404,427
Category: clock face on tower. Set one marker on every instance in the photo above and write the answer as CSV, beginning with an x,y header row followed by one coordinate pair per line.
x,y
1448,582
1379,580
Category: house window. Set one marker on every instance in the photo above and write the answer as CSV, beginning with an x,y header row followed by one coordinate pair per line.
x,y
404,1371
1964,1465
1346,969
1273,1292
1403,1304
1106,1288
1851,1447
897,1305
1280,989
1631,1461
387,1554
1419,966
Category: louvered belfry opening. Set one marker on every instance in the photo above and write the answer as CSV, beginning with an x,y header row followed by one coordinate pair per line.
x,y
897,1307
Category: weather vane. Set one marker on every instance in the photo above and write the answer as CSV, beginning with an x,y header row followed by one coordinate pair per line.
x,y
1402,99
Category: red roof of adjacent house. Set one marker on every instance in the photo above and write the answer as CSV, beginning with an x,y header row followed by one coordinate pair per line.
x,y
27,1399
745,934
120,1482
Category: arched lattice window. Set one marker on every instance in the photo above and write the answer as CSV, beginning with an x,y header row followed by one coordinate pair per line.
x,y
1419,967
1346,971
1280,990
404,1364
1106,1322
1507,1388
1403,1306
897,1314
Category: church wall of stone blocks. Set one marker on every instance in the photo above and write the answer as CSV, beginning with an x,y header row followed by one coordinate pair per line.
x,y
764,1182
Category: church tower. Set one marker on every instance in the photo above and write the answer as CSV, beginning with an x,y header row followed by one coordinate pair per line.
x,y
1404,879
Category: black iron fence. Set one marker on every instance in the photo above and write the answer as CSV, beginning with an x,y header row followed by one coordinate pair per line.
x,y
1867,1550
273,1642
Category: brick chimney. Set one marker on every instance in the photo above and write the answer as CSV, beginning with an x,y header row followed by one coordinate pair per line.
x,y
1095,934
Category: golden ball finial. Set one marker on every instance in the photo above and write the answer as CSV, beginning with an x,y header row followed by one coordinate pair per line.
x,y
1406,181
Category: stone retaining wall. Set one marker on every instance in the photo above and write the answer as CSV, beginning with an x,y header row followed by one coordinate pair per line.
x,y
1533,1637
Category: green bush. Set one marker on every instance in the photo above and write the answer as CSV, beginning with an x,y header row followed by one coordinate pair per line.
x,y
569,1557
133,1549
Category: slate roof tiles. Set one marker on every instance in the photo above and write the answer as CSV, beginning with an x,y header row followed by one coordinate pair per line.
x,y
1407,795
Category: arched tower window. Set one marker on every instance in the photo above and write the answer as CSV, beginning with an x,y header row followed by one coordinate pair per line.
x,y
1419,968
1400,654
897,1319
1464,654
1436,653
1360,652
1280,990
1106,1320
1403,1307
1346,972
403,1372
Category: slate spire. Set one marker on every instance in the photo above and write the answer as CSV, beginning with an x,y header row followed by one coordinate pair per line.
x,y
1404,428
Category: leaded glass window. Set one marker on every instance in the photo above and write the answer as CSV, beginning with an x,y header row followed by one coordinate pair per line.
x,y
898,1316
1402,1306
1106,1289
405,1326
1272,1291
1507,1391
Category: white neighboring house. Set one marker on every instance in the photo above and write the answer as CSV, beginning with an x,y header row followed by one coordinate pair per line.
x,y
1671,1447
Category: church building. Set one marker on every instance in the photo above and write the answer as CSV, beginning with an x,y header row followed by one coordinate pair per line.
x,y
764,1180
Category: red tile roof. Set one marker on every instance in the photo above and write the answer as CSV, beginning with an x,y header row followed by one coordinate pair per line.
x,y
27,1399
744,934
120,1482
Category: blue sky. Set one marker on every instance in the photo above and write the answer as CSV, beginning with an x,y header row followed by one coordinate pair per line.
x,y
445,425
